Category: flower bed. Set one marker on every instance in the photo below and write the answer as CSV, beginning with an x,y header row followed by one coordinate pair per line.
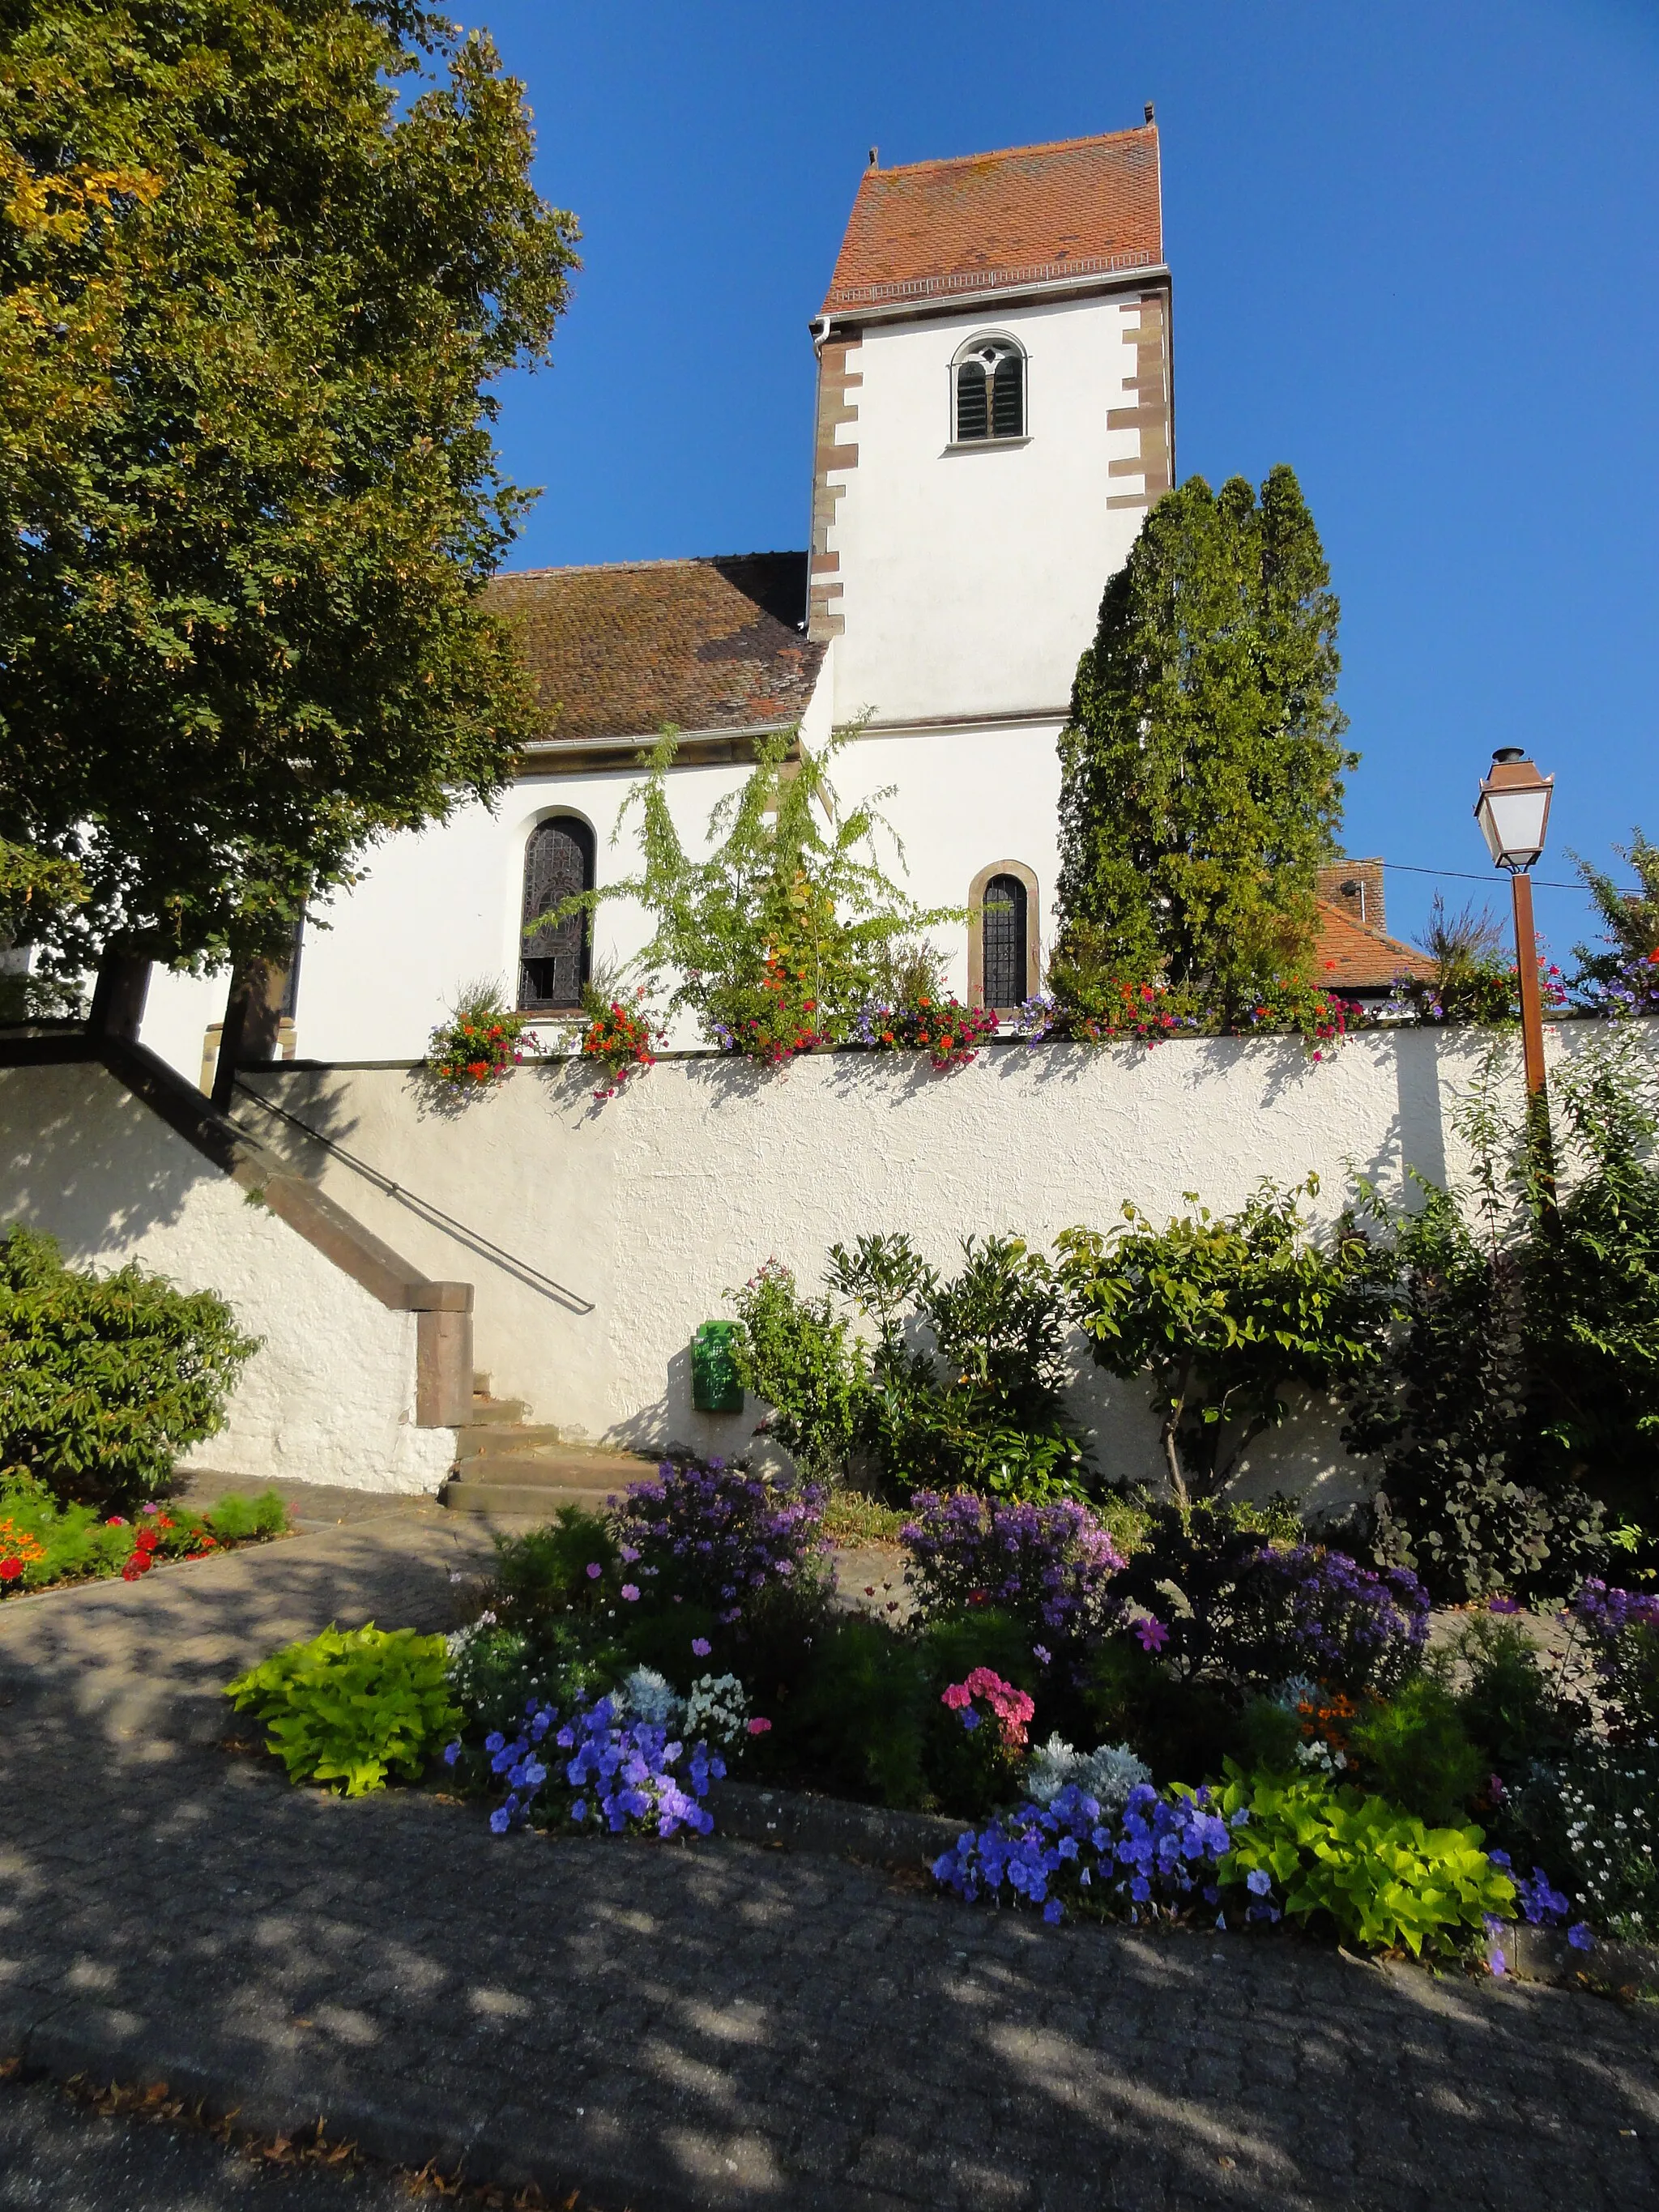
x,y
1292,1755
43,1543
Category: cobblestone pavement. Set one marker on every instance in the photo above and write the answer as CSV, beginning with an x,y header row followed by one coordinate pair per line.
x,y
712,2025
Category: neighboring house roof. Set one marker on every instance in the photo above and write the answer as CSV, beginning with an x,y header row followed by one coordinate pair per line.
x,y
993,221
708,644
1350,957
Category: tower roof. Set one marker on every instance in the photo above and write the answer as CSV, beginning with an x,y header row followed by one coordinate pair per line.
x,y
993,222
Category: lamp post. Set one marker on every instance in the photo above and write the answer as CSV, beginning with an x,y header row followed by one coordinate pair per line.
x,y
1513,810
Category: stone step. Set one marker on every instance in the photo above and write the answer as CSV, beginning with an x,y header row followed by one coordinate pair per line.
x,y
477,1442
525,1501
556,1467
496,1411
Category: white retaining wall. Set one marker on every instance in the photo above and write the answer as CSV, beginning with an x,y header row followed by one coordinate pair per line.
x,y
329,1396
645,1208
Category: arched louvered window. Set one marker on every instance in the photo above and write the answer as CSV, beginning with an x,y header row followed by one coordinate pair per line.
x,y
989,386
1003,922
558,862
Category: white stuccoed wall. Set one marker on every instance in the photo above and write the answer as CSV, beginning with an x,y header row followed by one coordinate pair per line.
x,y
645,1208
331,1395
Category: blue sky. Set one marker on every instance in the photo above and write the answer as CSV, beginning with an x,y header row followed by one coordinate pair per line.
x,y
1415,255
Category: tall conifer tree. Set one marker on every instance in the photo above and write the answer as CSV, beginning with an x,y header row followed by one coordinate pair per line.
x,y
1202,763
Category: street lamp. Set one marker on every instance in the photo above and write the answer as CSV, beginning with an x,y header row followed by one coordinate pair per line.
x,y
1513,810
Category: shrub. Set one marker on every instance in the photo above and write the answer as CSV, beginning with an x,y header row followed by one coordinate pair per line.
x,y
352,1705
1307,1610
715,1534
805,1362
1050,1566
1108,1774
549,1570
855,1722
1184,1568
1224,1314
1379,1875
1179,1725
479,1042
1623,1629
1415,1750
105,1380
1514,1711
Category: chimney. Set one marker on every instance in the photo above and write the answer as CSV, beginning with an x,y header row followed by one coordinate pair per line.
x,y
875,157
1149,111
1354,888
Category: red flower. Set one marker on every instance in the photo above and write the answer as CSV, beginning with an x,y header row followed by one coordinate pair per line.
x,y
9,1569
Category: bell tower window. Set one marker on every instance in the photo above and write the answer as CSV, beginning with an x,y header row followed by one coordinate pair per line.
x,y
988,392
558,863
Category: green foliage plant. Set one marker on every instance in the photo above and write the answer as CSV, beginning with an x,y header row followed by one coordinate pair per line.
x,y
1513,1706
1224,1313
106,1380
541,1573
44,1543
803,1359
790,926
1202,762
1414,1749
858,1721
352,1705
259,265
1384,1879
967,1374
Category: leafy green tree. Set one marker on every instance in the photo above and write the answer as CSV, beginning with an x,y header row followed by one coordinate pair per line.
x,y
1631,933
259,262
1201,766
1224,1313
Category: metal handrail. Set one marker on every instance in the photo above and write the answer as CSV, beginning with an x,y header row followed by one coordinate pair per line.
x,y
424,1210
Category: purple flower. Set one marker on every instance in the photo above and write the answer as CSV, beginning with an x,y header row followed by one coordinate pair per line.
x,y
1152,1633
629,1594
1503,1605
595,1570
1496,1961
701,1646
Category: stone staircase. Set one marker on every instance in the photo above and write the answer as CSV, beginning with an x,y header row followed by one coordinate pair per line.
x,y
507,1466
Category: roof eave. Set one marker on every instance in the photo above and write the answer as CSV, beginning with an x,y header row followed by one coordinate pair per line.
x,y
1152,273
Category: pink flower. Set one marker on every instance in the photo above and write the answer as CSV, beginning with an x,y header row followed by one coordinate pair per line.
x,y
701,1646
1152,1633
758,1727
629,1594
957,1696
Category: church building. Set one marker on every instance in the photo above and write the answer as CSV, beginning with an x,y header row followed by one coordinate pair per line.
x,y
994,415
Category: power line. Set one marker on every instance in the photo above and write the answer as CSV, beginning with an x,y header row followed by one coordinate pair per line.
x,y
1467,876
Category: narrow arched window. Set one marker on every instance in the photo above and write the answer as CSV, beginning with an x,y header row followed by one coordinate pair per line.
x,y
989,388
1004,922
558,863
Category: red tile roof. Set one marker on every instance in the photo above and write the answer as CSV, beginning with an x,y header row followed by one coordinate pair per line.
x,y
1351,958
615,652
1081,207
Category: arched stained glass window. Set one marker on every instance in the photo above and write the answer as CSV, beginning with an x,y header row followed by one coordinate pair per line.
x,y
989,392
1003,921
558,862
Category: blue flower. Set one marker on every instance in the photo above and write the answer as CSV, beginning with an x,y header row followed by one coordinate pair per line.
x,y
452,1752
494,1741
1054,1911
499,1820
1581,1937
579,1809
1258,1882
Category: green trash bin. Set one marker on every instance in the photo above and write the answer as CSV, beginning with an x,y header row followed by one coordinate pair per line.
x,y
715,1385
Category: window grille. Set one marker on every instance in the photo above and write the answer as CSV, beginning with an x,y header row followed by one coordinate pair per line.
x,y
990,391
1003,924
558,862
